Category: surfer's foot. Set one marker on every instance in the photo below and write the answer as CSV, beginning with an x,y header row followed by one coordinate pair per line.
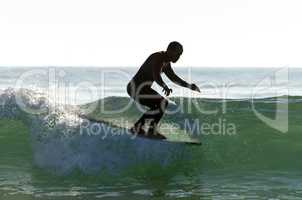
x,y
138,130
155,134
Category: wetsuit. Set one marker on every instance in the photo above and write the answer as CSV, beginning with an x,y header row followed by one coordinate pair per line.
x,y
139,88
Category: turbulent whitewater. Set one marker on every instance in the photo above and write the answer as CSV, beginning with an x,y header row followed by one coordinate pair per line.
x,y
59,144
44,153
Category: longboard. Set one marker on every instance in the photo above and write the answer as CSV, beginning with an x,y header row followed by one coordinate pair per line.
x,y
179,136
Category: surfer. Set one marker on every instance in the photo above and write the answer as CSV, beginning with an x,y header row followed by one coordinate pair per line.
x,y
139,88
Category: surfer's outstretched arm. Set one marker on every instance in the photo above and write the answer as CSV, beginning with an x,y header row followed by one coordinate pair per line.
x,y
179,81
174,78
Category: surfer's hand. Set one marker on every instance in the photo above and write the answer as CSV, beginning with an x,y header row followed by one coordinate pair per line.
x,y
194,87
167,91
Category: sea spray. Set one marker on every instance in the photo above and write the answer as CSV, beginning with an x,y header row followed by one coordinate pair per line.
x,y
58,145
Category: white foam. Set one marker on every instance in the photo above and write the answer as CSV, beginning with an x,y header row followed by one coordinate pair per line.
x,y
59,143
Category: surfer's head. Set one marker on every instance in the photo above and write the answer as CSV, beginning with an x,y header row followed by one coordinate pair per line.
x,y
174,51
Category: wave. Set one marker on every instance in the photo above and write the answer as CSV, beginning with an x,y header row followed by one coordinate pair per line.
x,y
59,143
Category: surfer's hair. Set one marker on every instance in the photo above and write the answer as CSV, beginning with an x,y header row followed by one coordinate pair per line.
x,y
175,46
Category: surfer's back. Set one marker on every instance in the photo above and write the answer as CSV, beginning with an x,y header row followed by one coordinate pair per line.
x,y
145,72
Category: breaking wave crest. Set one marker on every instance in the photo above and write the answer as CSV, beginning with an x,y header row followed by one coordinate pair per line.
x,y
58,143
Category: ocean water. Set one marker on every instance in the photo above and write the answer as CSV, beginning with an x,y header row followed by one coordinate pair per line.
x,y
83,85
249,121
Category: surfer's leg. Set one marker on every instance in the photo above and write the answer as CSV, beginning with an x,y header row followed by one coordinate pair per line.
x,y
159,110
157,105
132,91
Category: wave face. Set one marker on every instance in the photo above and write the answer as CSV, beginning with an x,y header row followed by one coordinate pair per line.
x,y
252,133
59,144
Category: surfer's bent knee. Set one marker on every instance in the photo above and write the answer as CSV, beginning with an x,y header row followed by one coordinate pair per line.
x,y
131,89
161,105
164,104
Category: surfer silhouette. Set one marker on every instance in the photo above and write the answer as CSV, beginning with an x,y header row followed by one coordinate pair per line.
x,y
139,88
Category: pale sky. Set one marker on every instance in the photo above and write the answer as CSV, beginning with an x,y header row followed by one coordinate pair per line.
x,y
214,33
